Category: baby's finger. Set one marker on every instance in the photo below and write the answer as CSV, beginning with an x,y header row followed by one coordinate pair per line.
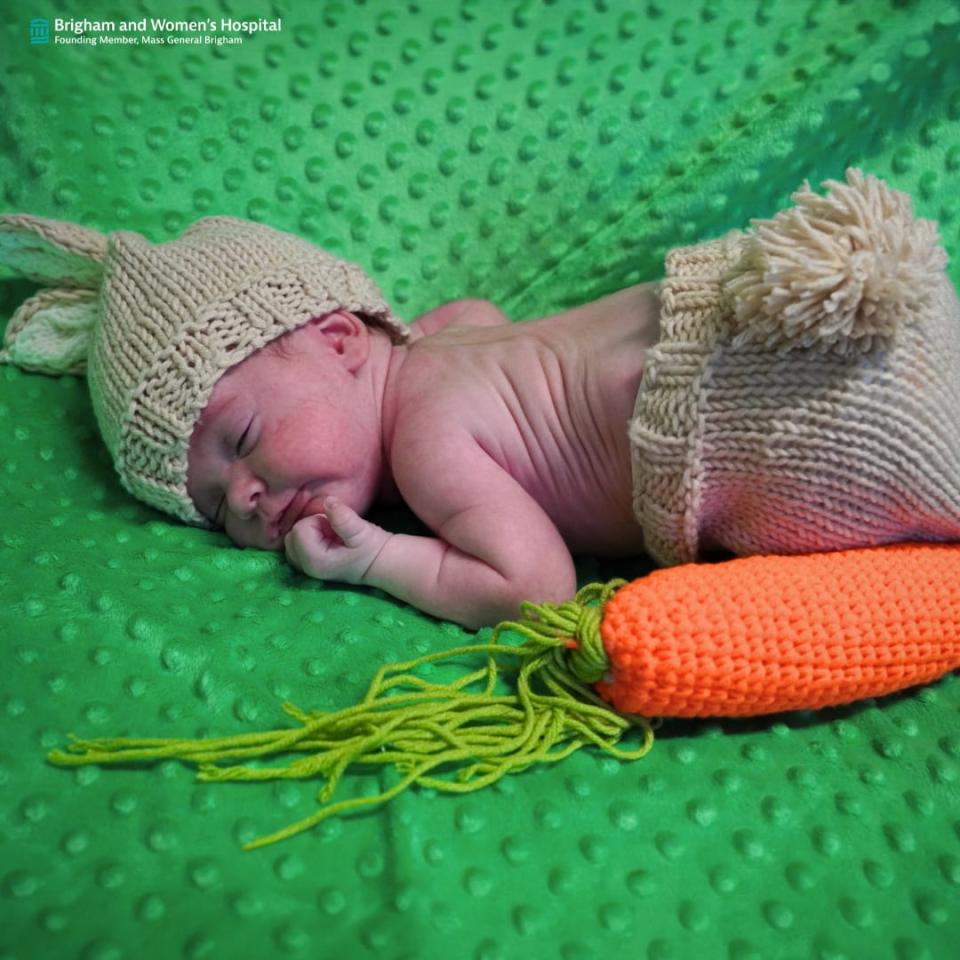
x,y
324,527
311,545
290,545
312,532
347,523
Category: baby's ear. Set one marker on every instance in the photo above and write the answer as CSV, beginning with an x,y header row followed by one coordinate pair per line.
x,y
50,332
52,251
347,334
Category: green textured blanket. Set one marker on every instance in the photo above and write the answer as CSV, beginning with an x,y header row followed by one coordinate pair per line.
x,y
538,154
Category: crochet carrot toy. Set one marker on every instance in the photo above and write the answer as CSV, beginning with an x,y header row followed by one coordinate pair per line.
x,y
749,636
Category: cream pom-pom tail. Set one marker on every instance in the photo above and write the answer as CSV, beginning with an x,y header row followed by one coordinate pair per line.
x,y
839,273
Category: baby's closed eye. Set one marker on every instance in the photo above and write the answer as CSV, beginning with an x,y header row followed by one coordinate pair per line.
x,y
242,448
247,436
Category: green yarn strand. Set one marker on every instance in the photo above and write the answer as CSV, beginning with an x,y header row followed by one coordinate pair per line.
x,y
424,729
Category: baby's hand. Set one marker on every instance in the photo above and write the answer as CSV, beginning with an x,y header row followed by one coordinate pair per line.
x,y
337,545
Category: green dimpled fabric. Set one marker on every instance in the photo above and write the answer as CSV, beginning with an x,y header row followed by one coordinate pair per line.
x,y
539,154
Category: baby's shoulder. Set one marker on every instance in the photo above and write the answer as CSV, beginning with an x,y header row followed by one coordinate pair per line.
x,y
458,313
455,387
453,367
438,403
433,443
433,406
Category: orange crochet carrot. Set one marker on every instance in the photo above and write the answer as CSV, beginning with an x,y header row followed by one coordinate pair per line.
x,y
769,634
750,636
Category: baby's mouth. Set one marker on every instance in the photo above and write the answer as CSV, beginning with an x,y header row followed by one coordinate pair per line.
x,y
291,513
295,510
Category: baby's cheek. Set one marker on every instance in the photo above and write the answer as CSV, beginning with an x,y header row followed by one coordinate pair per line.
x,y
292,421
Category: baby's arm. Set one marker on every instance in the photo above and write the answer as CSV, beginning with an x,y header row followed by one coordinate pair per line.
x,y
474,313
494,548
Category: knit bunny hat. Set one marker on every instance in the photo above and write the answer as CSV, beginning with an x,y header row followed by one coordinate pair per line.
x,y
154,326
805,392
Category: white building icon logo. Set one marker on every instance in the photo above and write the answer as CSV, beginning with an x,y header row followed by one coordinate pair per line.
x,y
39,31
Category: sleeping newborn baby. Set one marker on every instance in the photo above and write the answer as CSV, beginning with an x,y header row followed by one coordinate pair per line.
x,y
508,441
787,389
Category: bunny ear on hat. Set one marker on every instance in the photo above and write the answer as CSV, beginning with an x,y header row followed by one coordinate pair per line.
x,y
51,331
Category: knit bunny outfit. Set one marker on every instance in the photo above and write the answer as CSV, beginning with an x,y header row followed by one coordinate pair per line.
x,y
154,326
805,393
803,396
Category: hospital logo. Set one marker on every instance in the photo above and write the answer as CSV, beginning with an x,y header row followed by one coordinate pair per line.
x,y
39,31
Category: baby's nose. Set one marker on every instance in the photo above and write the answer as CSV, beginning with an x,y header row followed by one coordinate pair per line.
x,y
245,497
242,503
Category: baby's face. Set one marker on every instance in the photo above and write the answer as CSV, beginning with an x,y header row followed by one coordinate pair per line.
x,y
279,434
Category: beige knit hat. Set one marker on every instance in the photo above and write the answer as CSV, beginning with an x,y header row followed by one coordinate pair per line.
x,y
805,393
154,326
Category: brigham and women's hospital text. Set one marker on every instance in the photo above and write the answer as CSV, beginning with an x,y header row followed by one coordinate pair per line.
x,y
224,24
213,30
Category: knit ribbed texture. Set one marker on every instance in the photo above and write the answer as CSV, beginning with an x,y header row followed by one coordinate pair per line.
x,y
664,431
52,330
769,634
176,316
52,251
159,324
742,447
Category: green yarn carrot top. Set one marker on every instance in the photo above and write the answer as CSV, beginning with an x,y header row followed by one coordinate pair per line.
x,y
424,730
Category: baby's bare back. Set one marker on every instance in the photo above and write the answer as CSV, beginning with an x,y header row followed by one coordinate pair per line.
x,y
510,443
549,402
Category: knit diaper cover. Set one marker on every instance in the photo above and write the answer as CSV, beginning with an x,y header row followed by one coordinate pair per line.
x,y
805,392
